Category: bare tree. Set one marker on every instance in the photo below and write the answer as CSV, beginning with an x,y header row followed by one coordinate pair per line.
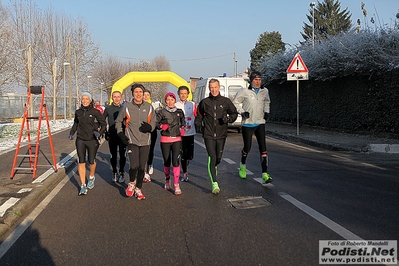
x,y
107,71
6,62
22,21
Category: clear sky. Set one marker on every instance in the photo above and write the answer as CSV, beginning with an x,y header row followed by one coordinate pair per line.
x,y
199,38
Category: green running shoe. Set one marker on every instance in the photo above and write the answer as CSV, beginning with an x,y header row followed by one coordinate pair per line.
x,y
243,171
215,188
267,178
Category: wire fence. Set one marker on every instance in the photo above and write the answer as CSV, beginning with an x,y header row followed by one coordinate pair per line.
x,y
12,106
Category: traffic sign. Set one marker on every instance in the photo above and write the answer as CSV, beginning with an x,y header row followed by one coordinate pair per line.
x,y
297,65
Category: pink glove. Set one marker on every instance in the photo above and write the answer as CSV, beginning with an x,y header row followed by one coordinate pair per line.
x,y
182,131
164,127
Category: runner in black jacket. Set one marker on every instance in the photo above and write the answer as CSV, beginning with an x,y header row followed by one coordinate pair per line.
x,y
89,124
214,114
114,142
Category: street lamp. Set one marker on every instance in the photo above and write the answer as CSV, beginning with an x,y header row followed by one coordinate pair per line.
x,y
88,83
101,92
65,64
312,4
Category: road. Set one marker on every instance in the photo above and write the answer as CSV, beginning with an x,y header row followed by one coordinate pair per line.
x,y
316,195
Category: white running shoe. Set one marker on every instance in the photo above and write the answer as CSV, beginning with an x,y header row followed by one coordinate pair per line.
x,y
150,169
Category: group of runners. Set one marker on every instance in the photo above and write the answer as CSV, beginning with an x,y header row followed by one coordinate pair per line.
x,y
131,129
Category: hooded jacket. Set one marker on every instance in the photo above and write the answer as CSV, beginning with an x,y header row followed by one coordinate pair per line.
x,y
211,113
256,104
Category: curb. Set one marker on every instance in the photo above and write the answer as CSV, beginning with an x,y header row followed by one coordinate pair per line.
x,y
38,193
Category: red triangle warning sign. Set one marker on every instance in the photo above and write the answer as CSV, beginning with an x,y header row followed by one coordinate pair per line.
x,y
297,65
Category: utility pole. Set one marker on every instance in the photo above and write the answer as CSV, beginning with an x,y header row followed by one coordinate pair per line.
x,y
54,90
69,79
235,65
29,70
312,4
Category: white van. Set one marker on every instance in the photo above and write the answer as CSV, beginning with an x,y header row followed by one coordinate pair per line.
x,y
228,88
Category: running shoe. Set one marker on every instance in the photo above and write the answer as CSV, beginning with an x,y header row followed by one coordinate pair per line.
x,y
146,178
267,178
90,183
83,190
167,184
243,171
150,169
184,178
130,189
115,177
215,188
177,189
121,177
138,194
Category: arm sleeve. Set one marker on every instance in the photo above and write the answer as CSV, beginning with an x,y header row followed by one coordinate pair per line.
x,y
198,118
74,126
232,112
153,118
266,107
102,122
119,120
238,99
182,119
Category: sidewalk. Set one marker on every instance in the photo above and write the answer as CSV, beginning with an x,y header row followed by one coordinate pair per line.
x,y
332,140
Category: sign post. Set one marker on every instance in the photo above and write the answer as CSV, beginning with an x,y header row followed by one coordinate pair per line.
x,y
297,71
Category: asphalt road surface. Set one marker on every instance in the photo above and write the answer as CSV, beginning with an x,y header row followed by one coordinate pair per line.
x,y
316,195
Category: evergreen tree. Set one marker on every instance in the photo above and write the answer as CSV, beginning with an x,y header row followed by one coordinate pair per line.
x,y
268,43
329,20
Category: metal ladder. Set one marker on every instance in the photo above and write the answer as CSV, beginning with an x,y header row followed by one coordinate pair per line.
x,y
32,153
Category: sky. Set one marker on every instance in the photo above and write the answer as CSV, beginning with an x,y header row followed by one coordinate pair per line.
x,y
199,38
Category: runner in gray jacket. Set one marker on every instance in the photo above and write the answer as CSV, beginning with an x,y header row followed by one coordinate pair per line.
x,y
139,118
254,105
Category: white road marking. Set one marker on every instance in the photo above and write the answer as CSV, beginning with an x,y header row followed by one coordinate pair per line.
x,y
346,234
296,146
51,170
200,144
353,161
8,204
374,166
23,190
229,161
13,237
260,180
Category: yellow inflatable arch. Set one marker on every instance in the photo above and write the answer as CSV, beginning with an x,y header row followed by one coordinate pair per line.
x,y
158,76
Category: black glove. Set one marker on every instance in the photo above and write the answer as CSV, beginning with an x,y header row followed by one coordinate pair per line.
x,y
266,116
145,127
124,138
106,135
245,115
198,128
70,137
224,120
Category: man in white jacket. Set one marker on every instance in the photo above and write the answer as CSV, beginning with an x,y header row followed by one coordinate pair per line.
x,y
254,105
190,112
